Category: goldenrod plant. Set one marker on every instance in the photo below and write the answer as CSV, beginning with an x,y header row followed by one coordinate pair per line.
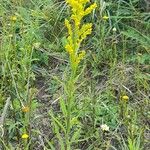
x,y
84,71
77,32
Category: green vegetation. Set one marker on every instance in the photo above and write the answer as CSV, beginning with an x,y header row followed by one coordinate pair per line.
x,y
74,74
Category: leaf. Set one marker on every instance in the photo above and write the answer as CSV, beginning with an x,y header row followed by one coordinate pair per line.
x,y
74,121
57,124
55,120
50,144
59,136
64,41
63,107
76,135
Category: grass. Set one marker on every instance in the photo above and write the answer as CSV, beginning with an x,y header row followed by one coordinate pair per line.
x,y
35,83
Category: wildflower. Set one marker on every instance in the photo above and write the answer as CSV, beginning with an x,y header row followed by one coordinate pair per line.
x,y
13,18
125,98
25,109
76,31
105,17
24,136
85,31
104,127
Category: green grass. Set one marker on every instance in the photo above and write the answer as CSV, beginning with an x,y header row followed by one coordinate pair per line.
x,y
34,68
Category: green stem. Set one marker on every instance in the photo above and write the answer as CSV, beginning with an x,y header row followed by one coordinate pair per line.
x,y
69,108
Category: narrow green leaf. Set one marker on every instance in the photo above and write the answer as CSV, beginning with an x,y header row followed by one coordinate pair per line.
x,y
55,120
63,106
61,142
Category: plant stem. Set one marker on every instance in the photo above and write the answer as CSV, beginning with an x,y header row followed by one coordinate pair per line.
x,y
69,108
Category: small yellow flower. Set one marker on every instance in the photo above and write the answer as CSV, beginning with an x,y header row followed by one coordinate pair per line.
x,y
105,127
24,136
25,109
13,18
125,98
105,17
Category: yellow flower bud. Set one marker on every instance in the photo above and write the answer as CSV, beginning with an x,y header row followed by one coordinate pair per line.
x,y
125,98
13,18
25,136
105,17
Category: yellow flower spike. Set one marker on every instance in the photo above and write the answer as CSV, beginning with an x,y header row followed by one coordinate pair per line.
x,y
125,98
84,35
68,25
84,28
13,18
78,7
80,57
105,17
25,136
76,31
89,9
25,109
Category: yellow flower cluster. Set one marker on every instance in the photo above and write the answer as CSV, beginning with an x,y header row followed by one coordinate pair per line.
x,y
77,32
